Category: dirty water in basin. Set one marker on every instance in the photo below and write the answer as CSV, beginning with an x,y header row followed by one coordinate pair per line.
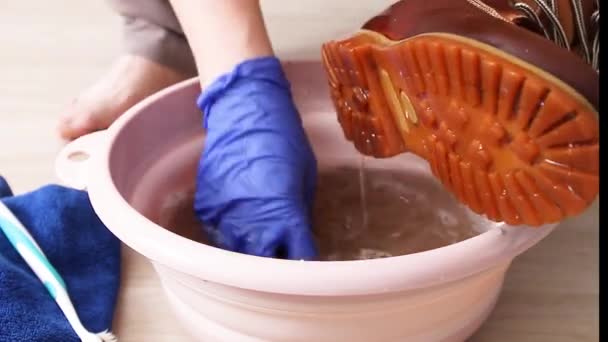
x,y
364,215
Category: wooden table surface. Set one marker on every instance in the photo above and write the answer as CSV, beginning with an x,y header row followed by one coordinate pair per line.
x,y
51,49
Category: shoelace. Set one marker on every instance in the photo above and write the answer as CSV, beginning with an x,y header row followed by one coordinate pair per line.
x,y
557,33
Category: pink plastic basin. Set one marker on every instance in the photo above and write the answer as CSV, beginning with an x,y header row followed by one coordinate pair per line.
x,y
152,151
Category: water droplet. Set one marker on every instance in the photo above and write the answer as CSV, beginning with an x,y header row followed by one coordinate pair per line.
x,y
362,189
553,162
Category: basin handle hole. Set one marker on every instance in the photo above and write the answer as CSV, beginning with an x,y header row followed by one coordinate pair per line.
x,y
78,156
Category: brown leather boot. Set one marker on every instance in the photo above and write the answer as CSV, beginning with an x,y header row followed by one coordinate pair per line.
x,y
500,97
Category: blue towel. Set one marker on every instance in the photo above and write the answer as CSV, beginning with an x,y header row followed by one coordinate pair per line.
x,y
83,251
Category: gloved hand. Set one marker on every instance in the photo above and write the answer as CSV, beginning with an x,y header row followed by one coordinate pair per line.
x,y
257,174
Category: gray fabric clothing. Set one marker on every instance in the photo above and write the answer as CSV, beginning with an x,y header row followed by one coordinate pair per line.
x,y
151,30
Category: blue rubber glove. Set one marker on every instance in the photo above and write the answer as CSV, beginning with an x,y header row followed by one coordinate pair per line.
x,y
257,174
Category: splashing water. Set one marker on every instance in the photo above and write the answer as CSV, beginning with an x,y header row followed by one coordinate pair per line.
x,y
364,217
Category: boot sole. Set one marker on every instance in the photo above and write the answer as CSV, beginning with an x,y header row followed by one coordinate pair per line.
x,y
506,138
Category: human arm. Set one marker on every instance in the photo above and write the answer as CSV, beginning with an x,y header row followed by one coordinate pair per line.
x,y
222,34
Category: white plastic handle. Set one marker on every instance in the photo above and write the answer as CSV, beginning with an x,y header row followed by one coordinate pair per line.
x,y
72,162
